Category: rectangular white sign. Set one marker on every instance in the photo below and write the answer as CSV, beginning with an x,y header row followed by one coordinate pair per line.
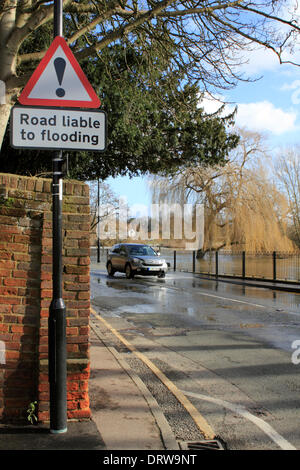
x,y
58,128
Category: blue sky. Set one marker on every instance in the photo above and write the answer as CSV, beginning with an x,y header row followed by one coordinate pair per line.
x,y
270,105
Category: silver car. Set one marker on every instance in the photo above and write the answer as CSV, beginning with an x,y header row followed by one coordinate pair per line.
x,y
133,258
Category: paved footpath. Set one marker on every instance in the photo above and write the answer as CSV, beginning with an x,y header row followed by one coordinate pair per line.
x,y
124,414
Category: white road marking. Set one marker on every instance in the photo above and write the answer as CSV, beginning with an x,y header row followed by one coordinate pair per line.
x,y
232,300
220,297
241,410
166,286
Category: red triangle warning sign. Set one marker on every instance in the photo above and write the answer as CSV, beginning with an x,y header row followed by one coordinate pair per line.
x,y
59,80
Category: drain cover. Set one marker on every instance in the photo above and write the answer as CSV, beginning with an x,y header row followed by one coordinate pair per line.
x,y
213,444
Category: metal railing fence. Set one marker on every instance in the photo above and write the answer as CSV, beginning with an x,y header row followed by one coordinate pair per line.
x,y
273,266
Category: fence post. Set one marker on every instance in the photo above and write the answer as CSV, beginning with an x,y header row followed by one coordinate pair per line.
x,y
217,263
274,266
174,260
194,261
243,264
98,250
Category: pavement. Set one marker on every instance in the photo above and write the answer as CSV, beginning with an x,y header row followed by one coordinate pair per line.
x,y
125,416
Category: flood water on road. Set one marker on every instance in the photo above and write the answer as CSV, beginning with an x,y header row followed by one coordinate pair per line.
x,y
271,316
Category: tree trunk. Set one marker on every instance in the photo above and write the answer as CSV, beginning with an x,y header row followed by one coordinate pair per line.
x,y
4,117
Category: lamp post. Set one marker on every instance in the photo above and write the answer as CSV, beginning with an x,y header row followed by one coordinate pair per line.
x,y
57,355
98,223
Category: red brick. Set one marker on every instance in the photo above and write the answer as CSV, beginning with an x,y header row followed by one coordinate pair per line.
x,y
6,264
10,300
9,229
43,387
4,272
72,385
77,339
72,348
20,273
8,291
5,255
84,386
84,330
72,331
18,247
12,355
6,237
5,337
14,282
10,346
83,295
79,414
72,405
84,404
43,377
10,319
43,416
79,397
17,329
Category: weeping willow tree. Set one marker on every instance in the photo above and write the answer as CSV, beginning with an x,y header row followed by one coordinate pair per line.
x,y
243,209
287,169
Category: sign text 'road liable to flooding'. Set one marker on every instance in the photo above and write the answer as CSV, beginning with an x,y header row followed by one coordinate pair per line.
x,y
58,128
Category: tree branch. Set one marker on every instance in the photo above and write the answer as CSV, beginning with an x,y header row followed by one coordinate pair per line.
x,y
292,23
124,30
99,19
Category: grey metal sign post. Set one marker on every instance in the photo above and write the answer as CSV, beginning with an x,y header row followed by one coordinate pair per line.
x,y
57,354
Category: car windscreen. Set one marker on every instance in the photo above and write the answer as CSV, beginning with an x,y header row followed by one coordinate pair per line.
x,y
141,250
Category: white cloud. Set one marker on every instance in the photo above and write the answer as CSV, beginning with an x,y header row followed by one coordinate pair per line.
x,y
259,61
264,116
210,104
260,116
294,87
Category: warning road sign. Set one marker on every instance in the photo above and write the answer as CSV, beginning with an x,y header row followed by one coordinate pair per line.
x,y
60,128
59,81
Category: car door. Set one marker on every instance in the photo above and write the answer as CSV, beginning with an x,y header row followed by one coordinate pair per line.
x,y
123,258
115,257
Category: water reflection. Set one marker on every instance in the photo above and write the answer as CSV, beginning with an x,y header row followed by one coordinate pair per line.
x,y
142,286
289,300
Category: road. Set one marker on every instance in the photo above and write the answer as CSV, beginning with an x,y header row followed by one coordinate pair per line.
x,y
226,348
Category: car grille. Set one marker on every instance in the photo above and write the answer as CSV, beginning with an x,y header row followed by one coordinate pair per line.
x,y
148,263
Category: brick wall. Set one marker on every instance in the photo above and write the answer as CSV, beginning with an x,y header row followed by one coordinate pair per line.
x,y
26,293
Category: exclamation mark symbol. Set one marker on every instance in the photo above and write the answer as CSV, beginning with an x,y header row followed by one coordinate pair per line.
x,y
60,65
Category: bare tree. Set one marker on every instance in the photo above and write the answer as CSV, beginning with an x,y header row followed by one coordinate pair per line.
x,y
243,208
104,203
287,169
205,39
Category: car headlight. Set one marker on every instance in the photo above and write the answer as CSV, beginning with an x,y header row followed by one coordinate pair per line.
x,y
137,261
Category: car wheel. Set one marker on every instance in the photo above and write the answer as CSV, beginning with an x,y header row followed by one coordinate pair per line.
x,y
161,275
128,271
110,270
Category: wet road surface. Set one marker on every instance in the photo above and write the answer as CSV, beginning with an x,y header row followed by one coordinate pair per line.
x,y
227,346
